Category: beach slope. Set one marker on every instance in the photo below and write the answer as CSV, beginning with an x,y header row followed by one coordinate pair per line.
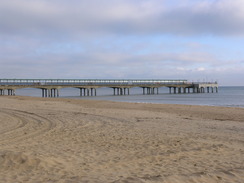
x,y
70,141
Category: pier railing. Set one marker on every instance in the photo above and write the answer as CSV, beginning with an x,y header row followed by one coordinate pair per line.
x,y
87,81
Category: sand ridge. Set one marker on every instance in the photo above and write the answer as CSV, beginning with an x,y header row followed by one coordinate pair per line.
x,y
65,140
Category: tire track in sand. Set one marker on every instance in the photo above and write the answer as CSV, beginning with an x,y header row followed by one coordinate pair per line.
x,y
10,122
25,125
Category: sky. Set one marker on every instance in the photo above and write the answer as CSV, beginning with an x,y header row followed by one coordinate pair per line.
x,y
197,40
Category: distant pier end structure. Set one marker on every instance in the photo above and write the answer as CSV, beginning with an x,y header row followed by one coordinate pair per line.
x,y
88,87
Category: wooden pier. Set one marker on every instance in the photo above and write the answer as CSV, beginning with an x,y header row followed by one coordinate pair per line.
x,y
88,87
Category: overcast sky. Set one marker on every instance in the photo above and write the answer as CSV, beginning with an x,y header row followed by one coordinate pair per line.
x,y
198,40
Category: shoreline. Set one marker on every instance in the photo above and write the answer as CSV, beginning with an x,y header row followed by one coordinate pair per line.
x,y
70,140
229,106
227,97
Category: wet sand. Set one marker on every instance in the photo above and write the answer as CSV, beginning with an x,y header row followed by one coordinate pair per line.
x,y
70,141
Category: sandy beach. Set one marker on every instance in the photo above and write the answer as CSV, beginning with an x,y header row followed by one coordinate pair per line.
x,y
72,141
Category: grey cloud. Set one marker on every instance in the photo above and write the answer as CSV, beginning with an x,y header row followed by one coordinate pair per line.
x,y
221,17
36,34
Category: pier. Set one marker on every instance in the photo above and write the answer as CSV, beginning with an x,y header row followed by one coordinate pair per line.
x,y
88,87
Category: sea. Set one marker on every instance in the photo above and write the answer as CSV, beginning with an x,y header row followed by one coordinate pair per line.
x,y
227,96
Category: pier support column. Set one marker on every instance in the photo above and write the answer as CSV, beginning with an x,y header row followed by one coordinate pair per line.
x,y
91,91
57,92
122,91
174,90
46,92
11,92
179,90
49,92
148,91
2,92
43,92
196,90
53,93
203,90
84,92
81,92
170,90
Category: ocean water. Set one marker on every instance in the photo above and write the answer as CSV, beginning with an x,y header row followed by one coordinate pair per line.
x,y
227,96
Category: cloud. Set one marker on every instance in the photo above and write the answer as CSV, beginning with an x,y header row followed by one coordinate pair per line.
x,y
221,17
121,38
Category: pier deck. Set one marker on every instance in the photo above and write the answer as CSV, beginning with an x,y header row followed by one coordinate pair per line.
x,y
88,87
